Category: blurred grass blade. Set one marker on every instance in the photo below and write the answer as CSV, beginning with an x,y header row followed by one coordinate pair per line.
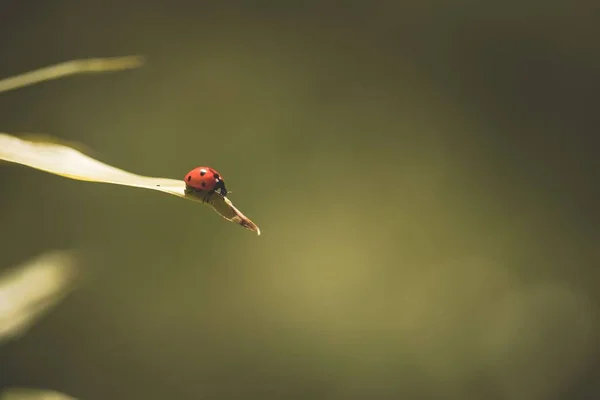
x,y
32,394
62,160
30,290
73,67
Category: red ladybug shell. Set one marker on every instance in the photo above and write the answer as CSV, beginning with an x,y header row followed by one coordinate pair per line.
x,y
203,178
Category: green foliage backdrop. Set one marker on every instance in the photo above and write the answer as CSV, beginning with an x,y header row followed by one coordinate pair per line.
x,y
423,174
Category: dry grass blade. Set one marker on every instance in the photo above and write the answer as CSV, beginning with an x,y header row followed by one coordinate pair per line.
x,y
33,394
29,291
62,160
73,67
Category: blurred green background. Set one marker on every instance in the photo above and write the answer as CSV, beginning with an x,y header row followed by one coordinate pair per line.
x,y
424,175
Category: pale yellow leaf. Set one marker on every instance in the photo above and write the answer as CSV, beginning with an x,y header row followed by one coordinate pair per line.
x,y
33,394
63,160
73,67
29,291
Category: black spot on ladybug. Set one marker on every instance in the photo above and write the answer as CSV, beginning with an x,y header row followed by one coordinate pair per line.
x,y
216,176
189,178
203,184
202,172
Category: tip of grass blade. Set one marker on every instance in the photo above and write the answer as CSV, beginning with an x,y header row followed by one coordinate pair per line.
x,y
112,63
68,68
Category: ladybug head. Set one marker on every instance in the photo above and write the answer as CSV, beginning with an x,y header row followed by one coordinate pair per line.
x,y
220,187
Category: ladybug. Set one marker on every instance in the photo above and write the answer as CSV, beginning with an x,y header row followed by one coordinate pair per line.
x,y
205,179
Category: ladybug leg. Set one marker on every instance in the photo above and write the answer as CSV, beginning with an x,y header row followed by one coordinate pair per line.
x,y
204,195
200,194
